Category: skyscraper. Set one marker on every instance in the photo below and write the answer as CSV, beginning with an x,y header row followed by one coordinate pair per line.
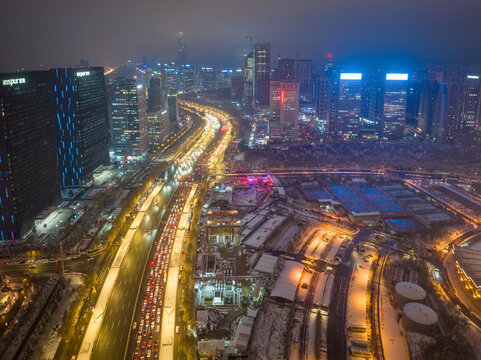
x,y
173,111
468,102
304,77
284,110
129,122
394,114
262,73
181,49
28,151
322,100
286,69
157,128
187,78
349,105
81,122
248,69
154,102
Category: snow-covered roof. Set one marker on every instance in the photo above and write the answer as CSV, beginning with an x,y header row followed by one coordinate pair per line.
x,y
286,285
266,264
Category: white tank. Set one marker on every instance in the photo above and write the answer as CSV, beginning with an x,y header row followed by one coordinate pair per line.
x,y
405,292
419,317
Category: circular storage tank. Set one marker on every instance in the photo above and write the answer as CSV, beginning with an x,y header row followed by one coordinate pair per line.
x,y
406,292
419,317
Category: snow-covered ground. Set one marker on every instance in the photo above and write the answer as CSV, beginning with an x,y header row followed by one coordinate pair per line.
x,y
393,340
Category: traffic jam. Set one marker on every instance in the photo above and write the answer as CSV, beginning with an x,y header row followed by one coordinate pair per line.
x,y
147,326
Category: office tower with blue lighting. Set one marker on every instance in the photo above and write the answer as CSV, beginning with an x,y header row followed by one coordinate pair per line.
x,y
349,104
394,106
81,122
28,151
129,119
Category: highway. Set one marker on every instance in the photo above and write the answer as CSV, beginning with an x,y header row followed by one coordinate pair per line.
x,y
117,314
110,341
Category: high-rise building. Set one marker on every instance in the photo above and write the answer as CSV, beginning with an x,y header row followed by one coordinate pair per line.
x,y
284,111
248,70
129,122
468,102
157,128
154,102
28,151
394,107
170,80
237,89
81,122
181,48
370,121
286,69
322,100
346,123
173,108
262,73
208,78
186,75
304,77
427,106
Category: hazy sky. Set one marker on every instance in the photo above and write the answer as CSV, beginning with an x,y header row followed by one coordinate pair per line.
x,y
61,32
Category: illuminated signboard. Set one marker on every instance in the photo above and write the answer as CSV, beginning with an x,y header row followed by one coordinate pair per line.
x,y
283,99
351,76
476,77
391,76
83,73
11,82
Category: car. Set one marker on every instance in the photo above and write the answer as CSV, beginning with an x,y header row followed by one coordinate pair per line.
x,y
139,338
82,329
177,329
134,325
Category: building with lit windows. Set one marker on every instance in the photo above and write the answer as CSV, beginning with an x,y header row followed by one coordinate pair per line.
x,y
304,77
346,124
186,75
468,102
262,73
81,122
28,151
322,100
154,101
157,127
394,106
173,108
284,111
248,70
129,119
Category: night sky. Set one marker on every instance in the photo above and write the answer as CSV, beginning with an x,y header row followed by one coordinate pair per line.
x,y
60,33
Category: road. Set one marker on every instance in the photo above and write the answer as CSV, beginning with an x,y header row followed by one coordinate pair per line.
x,y
336,324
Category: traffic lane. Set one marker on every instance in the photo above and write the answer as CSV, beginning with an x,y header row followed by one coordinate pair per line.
x,y
119,310
114,330
82,265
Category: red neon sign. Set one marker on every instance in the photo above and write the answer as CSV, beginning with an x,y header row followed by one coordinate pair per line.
x,y
283,94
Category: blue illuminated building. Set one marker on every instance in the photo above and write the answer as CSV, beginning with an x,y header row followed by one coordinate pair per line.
x,y
81,122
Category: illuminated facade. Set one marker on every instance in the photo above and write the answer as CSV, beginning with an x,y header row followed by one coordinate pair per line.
x,y
349,105
129,121
28,151
394,114
468,102
284,110
81,122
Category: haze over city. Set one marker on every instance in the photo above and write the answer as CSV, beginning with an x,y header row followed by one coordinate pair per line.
x,y
112,32
240,180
